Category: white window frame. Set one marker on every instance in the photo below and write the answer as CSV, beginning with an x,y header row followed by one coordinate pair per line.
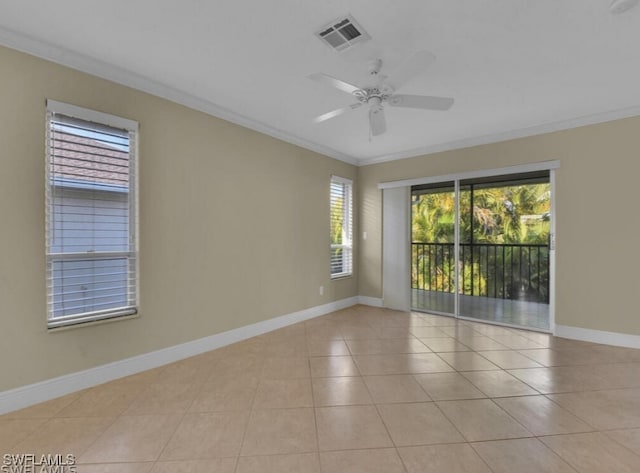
x,y
131,308
347,229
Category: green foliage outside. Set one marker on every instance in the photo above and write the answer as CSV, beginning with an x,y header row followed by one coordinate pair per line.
x,y
337,222
509,216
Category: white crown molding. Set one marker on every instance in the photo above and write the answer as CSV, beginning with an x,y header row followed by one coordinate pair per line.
x,y
507,135
52,388
80,62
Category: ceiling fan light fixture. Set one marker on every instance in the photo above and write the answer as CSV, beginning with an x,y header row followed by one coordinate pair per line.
x,y
375,102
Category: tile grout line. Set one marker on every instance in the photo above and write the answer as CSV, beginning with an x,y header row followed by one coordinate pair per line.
x,y
179,423
386,428
313,400
249,416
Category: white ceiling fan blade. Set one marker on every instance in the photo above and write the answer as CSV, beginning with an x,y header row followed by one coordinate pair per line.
x,y
333,82
410,67
424,102
337,112
377,122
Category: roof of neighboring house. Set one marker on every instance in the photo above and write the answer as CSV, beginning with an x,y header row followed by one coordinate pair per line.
x,y
88,160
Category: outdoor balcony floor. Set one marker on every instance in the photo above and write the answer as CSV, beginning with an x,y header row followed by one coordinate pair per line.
x,y
533,315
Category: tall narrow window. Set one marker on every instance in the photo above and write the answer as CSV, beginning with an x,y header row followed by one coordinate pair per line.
x,y
341,202
91,207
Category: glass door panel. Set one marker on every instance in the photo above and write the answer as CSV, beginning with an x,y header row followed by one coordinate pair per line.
x,y
433,257
504,250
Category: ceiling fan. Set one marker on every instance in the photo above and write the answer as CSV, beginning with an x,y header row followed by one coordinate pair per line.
x,y
383,91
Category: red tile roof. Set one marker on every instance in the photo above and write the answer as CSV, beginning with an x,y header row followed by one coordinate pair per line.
x,y
88,160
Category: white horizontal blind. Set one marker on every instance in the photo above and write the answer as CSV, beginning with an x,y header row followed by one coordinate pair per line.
x,y
341,209
91,219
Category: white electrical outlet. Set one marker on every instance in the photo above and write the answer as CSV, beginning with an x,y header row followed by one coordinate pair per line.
x,y
321,290
364,235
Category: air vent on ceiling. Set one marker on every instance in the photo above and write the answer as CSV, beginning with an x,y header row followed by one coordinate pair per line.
x,y
342,33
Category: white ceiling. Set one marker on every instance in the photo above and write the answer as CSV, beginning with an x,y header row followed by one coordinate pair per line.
x,y
515,67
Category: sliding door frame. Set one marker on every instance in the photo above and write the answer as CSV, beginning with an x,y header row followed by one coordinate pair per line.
x,y
456,248
550,166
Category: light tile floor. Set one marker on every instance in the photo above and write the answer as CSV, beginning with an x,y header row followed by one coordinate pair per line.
x,y
362,390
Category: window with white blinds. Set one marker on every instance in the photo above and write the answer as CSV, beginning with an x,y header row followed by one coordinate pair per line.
x,y
91,210
341,209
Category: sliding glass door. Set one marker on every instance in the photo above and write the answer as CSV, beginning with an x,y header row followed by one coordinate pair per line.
x,y
498,267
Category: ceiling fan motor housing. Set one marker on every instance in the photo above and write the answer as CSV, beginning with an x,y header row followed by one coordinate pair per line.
x,y
372,96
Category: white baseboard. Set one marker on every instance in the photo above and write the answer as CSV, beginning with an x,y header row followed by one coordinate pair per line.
x,y
52,388
371,301
598,336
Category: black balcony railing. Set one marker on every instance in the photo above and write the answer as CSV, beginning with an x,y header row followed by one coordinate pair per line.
x,y
503,271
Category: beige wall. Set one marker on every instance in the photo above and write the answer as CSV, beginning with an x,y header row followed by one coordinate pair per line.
x,y
234,225
598,216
